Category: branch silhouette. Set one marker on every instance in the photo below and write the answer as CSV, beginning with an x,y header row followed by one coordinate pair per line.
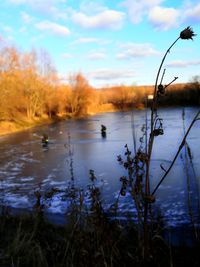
x,y
179,150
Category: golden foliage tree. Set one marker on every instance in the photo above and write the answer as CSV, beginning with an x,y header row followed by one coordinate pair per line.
x,y
80,96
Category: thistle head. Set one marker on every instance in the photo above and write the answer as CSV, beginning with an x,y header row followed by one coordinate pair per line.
x,y
187,33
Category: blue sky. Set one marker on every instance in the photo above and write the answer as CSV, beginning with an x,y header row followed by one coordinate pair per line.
x,y
111,42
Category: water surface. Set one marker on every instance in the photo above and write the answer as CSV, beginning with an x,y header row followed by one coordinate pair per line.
x,y
76,146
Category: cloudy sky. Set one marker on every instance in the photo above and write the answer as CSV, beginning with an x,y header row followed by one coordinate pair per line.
x,y
109,41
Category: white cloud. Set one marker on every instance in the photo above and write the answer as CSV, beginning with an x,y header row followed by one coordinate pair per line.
x,y
110,74
86,40
90,7
7,29
44,6
26,17
23,30
163,18
131,50
54,28
183,64
17,2
66,55
96,55
91,40
108,19
138,9
35,2
193,13
36,39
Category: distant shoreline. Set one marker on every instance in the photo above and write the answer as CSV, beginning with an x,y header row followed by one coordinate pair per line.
x,y
9,127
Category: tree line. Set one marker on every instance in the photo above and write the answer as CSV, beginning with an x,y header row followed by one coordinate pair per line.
x,y
30,87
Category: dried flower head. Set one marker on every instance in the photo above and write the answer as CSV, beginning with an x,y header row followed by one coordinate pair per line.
x,y
187,33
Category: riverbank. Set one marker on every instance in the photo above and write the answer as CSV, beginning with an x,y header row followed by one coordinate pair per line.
x,y
9,127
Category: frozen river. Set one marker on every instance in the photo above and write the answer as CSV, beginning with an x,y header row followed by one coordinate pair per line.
x,y
76,146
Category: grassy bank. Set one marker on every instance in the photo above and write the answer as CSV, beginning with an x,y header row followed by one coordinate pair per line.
x,y
8,127
12,126
85,241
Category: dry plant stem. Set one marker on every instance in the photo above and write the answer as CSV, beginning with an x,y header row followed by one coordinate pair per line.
x,y
156,84
175,78
148,160
197,190
180,147
153,113
133,133
188,179
189,192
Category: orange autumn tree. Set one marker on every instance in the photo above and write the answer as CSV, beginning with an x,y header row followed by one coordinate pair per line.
x,y
10,81
81,95
26,91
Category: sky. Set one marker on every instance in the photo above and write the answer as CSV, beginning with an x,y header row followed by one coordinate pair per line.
x,y
111,42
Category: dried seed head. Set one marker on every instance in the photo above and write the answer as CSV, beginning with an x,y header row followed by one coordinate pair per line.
x,y
187,34
161,89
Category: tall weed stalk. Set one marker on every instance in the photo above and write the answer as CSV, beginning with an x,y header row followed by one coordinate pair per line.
x,y
138,166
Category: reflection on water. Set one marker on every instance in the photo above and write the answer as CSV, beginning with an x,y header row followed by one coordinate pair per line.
x,y
77,146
